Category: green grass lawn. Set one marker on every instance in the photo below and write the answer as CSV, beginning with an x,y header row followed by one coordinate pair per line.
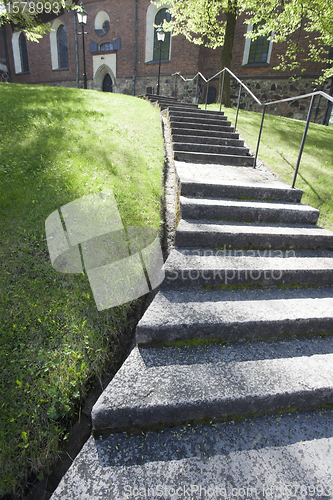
x,y
279,147
57,145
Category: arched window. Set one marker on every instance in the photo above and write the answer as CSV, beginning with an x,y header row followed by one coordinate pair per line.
x,y
165,48
258,51
23,53
106,46
62,47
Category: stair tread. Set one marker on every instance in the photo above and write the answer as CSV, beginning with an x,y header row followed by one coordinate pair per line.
x,y
186,306
267,205
218,158
249,458
210,148
196,258
228,314
213,141
213,133
169,385
229,175
225,226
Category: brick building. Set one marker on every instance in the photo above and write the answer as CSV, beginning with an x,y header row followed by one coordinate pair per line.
x,y
122,56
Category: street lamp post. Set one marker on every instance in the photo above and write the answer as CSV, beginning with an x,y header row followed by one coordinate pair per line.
x,y
82,17
160,37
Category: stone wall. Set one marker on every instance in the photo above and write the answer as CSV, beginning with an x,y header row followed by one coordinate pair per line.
x,y
4,77
169,87
267,90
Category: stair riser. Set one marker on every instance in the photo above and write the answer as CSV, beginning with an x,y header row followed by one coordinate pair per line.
x,y
211,158
284,216
213,141
204,133
226,127
176,278
119,420
207,122
207,148
196,112
166,105
252,241
216,191
235,330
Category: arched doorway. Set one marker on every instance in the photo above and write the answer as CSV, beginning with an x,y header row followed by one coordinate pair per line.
x,y
107,83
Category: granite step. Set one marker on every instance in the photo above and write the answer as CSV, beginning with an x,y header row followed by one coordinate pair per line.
x,y
243,210
210,148
277,456
225,126
214,189
211,158
170,101
204,120
217,234
197,267
183,130
214,181
213,141
197,112
163,387
230,314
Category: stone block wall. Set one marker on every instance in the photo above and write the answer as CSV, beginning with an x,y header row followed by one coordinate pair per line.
x,y
4,76
267,90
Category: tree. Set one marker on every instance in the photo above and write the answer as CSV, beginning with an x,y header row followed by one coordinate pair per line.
x,y
212,23
292,21
208,22
33,17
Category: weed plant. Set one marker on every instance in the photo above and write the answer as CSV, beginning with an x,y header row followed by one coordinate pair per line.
x,y
57,145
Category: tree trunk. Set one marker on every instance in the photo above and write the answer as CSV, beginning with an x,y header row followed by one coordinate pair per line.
x,y
227,50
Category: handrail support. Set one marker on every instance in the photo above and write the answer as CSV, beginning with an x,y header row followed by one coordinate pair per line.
x,y
239,96
303,140
259,136
206,96
222,88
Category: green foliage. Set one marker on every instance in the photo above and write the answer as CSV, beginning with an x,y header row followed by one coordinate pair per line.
x,y
293,21
200,21
27,15
57,145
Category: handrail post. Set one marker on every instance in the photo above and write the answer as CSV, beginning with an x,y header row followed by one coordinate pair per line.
x,y
259,136
222,87
239,96
206,95
197,92
176,86
303,140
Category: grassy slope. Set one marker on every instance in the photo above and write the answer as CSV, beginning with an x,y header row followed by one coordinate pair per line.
x,y
57,145
279,147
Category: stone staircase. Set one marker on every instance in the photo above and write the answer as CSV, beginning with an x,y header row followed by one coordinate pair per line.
x,y
200,136
240,327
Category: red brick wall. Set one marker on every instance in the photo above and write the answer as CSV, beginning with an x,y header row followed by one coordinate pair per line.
x,y
186,58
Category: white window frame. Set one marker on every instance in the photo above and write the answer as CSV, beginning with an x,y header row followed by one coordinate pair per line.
x,y
247,47
54,43
150,20
17,52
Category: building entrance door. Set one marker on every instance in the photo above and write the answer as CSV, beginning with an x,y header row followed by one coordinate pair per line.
x,y
107,83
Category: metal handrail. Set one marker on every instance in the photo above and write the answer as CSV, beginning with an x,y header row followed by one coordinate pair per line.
x,y
304,96
264,104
